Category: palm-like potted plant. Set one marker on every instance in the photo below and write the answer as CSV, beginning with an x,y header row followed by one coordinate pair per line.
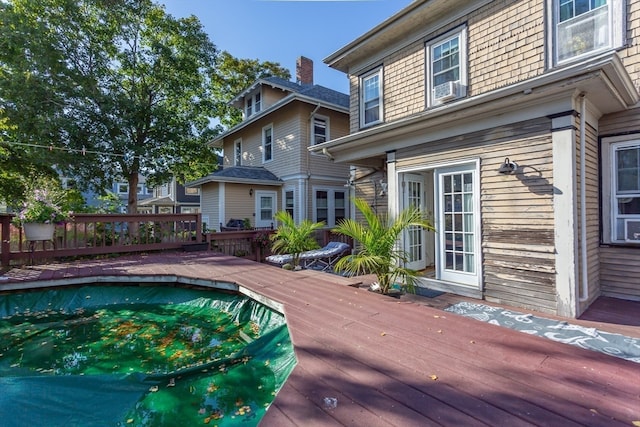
x,y
292,238
378,251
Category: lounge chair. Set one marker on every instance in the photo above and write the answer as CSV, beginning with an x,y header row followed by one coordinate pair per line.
x,y
319,259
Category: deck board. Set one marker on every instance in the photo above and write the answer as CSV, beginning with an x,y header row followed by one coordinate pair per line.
x,y
376,355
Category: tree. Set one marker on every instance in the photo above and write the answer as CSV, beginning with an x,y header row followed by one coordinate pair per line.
x,y
292,238
120,84
234,75
378,239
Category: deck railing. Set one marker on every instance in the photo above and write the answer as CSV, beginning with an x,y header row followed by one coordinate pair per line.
x,y
96,234
100,234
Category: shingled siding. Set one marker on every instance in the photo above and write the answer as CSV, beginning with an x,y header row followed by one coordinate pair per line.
x,y
505,46
518,247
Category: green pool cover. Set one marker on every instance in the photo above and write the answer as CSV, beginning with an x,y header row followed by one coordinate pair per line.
x,y
139,356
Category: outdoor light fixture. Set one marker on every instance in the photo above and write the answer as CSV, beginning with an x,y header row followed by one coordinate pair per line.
x,y
507,167
251,192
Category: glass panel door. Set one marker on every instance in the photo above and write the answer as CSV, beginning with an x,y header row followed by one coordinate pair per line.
x,y
265,208
458,237
414,236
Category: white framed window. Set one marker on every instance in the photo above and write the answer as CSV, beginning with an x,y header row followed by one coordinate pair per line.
x,y
289,203
329,205
122,188
248,107
257,102
371,98
319,130
252,104
237,152
584,27
447,67
621,189
267,143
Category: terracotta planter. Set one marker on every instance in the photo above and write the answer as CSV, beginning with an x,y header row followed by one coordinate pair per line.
x,y
38,231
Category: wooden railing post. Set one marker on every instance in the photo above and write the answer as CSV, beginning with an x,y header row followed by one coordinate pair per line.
x,y
5,239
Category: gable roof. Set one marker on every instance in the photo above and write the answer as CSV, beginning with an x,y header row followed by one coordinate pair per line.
x,y
239,175
316,95
318,92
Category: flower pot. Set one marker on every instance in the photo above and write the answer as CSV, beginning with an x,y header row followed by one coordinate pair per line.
x,y
38,231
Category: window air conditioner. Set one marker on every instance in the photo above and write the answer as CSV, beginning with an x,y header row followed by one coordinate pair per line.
x,y
445,91
632,230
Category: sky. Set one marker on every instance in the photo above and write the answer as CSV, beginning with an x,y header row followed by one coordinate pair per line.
x,y
282,30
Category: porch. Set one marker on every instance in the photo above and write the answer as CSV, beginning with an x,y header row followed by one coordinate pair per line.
x,y
371,360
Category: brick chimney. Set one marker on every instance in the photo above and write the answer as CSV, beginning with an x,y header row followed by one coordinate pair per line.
x,y
304,71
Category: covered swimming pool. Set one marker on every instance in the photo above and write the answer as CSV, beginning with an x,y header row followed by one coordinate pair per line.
x,y
149,354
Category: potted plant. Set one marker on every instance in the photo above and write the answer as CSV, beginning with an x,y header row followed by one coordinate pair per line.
x,y
292,238
41,211
378,251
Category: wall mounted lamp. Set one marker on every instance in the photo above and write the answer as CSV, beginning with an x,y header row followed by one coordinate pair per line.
x,y
251,192
507,167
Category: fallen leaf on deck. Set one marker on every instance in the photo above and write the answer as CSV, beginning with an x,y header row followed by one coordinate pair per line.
x,y
383,334
433,377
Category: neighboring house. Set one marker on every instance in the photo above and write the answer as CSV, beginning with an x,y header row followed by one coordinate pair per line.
x,y
121,189
172,198
517,124
267,166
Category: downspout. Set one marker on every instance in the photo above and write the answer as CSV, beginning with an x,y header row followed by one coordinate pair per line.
x,y
584,279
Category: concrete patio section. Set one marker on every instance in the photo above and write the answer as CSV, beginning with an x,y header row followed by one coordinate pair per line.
x,y
369,360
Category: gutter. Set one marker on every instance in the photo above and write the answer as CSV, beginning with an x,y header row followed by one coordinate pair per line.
x,y
607,67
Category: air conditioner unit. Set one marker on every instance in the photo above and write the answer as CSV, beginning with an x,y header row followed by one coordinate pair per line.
x,y
632,230
445,91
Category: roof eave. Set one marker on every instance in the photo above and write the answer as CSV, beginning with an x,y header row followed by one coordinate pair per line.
x,y
606,68
217,143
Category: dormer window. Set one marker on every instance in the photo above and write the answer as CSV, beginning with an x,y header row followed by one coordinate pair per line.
x,y
252,104
257,105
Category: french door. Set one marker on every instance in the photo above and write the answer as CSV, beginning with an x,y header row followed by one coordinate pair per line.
x,y
457,227
414,245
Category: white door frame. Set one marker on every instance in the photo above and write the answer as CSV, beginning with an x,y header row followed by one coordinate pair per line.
x,y
467,278
414,236
259,195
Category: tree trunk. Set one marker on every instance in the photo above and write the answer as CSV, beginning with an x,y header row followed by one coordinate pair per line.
x,y
132,201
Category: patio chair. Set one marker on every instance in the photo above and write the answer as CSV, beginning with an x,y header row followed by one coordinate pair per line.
x,y
319,259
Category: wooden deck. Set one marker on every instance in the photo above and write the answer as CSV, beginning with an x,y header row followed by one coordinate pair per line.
x,y
370,360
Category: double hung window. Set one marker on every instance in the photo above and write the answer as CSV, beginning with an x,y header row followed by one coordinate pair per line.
x,y
371,98
237,153
582,27
447,63
320,130
267,143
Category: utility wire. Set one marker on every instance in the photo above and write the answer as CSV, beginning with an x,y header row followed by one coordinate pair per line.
x,y
82,151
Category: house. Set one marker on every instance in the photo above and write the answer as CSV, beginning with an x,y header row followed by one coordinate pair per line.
x,y
121,189
517,124
171,197
266,164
